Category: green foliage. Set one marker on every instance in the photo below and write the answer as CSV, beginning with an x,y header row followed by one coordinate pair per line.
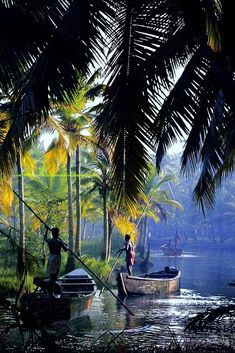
x,y
101,268
92,248
10,283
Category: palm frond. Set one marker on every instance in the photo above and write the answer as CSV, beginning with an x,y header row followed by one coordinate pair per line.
x,y
31,264
28,164
185,100
124,226
213,155
42,59
125,121
7,195
152,214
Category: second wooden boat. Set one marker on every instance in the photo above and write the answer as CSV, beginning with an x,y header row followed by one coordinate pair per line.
x,y
167,251
161,282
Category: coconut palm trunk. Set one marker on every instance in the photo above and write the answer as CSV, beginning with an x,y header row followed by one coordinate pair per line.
x,y
71,262
110,229
84,229
144,237
105,226
93,230
21,254
78,202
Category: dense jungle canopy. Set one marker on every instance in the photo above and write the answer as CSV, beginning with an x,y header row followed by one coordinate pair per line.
x,y
140,45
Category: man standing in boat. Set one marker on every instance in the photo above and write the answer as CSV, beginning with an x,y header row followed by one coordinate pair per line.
x,y
53,266
130,254
177,239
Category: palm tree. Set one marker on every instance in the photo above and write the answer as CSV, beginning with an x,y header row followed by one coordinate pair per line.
x,y
59,152
101,182
147,41
155,198
23,160
65,39
20,177
76,118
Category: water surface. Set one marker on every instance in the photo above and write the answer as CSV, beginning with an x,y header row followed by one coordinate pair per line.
x,y
204,284
159,321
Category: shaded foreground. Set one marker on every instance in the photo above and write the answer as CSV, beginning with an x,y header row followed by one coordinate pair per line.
x,y
69,346
208,331
19,337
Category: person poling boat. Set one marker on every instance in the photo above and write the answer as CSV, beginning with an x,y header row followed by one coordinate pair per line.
x,y
130,254
171,248
120,251
78,258
53,266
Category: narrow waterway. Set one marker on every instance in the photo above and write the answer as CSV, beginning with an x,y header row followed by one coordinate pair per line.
x,y
204,284
159,321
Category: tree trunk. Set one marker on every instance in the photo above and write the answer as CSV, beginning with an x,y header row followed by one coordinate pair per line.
x,y
14,222
78,203
140,237
110,229
21,254
104,255
93,230
71,262
144,236
84,229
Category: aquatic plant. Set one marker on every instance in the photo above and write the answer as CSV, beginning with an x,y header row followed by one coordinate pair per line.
x,y
213,318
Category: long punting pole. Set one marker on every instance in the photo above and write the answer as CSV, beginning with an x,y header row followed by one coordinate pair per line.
x,y
78,258
35,214
101,281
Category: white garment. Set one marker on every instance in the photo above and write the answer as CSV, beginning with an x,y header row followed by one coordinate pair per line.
x,y
53,265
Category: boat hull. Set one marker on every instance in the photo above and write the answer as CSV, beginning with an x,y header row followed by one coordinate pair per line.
x,y
171,252
140,285
78,290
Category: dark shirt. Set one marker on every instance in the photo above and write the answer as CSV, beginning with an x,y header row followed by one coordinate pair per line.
x,y
129,248
55,245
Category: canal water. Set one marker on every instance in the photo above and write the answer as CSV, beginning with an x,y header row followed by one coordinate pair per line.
x,y
159,321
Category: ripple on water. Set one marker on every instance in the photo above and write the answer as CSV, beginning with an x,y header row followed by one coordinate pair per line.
x,y
156,321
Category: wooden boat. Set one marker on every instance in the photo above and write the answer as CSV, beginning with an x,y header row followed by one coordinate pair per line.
x,y
77,292
168,251
161,282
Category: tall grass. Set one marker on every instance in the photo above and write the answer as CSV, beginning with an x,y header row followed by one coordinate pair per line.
x,y
10,282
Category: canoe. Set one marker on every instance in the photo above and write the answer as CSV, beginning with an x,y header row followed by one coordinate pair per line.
x,y
167,251
77,290
156,283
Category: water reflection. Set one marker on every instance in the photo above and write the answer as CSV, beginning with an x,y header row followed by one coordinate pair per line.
x,y
204,284
156,321
207,272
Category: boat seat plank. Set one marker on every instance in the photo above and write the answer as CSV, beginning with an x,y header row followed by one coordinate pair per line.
x,y
78,273
76,277
161,276
76,284
77,292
